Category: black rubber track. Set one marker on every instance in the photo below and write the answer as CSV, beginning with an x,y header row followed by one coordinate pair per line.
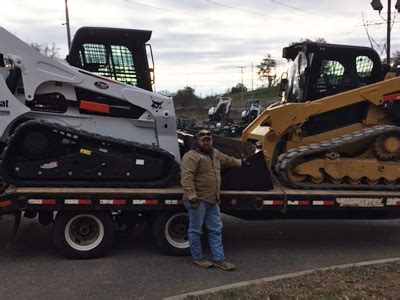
x,y
287,160
9,153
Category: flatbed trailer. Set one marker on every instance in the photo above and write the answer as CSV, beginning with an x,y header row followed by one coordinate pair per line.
x,y
85,220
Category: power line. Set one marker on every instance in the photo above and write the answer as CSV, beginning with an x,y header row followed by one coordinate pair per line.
x,y
293,7
237,8
374,23
164,9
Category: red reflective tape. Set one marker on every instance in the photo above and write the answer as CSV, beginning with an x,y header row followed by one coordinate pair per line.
x,y
151,202
84,201
329,203
5,203
278,202
93,106
392,97
179,201
304,202
397,202
119,201
48,201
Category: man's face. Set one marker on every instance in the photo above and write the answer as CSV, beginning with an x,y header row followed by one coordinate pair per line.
x,y
206,143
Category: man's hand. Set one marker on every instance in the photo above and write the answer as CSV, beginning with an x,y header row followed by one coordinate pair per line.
x,y
194,203
245,162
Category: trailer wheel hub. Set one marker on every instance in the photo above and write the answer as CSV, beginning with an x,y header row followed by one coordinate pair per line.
x,y
176,230
84,232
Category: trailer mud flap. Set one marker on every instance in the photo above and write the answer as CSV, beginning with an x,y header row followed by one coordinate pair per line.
x,y
254,176
17,221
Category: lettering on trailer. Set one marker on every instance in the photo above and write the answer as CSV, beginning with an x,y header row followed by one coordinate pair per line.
x,y
360,202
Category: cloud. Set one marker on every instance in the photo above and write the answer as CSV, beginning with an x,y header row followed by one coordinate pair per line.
x,y
201,42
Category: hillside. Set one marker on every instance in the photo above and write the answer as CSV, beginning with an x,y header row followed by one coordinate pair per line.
x,y
265,95
199,112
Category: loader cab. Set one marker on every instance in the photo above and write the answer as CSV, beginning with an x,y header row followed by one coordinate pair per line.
x,y
119,54
320,70
251,111
220,110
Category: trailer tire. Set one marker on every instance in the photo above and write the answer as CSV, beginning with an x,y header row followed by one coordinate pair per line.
x,y
170,232
83,235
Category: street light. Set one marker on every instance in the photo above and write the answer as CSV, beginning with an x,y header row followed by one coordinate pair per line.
x,y
377,5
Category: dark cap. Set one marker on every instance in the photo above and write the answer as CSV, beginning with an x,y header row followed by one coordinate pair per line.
x,y
204,134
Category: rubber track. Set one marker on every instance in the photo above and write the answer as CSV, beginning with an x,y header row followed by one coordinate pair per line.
x,y
169,179
288,159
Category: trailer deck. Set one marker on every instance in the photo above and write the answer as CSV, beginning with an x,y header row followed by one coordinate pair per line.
x,y
25,198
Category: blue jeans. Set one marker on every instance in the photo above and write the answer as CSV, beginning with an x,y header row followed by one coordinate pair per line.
x,y
209,215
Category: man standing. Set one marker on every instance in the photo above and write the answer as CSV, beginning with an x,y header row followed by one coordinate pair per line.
x,y
201,182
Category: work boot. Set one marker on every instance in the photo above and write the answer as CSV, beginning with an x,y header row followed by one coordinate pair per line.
x,y
204,263
224,265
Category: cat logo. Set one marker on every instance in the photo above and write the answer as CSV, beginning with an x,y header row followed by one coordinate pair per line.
x,y
4,103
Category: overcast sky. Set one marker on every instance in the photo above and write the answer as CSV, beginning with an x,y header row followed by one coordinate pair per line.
x,y
203,43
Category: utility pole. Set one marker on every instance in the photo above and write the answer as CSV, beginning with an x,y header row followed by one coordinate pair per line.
x,y
67,24
388,29
377,5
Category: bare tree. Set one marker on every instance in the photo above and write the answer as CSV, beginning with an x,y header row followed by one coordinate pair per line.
x,y
48,50
395,59
319,40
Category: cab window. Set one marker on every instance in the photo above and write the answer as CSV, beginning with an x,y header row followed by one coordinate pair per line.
x,y
112,61
330,77
364,66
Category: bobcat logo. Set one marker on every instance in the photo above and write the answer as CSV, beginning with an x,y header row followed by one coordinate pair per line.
x,y
157,105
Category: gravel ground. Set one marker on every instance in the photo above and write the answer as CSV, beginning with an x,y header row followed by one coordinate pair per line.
x,y
370,282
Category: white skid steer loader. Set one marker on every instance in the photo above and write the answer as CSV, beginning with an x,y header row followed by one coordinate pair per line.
x,y
65,126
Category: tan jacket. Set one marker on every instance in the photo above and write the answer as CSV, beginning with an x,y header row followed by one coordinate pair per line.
x,y
200,175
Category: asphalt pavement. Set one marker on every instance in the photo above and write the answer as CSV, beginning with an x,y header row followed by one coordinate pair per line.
x,y
31,267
